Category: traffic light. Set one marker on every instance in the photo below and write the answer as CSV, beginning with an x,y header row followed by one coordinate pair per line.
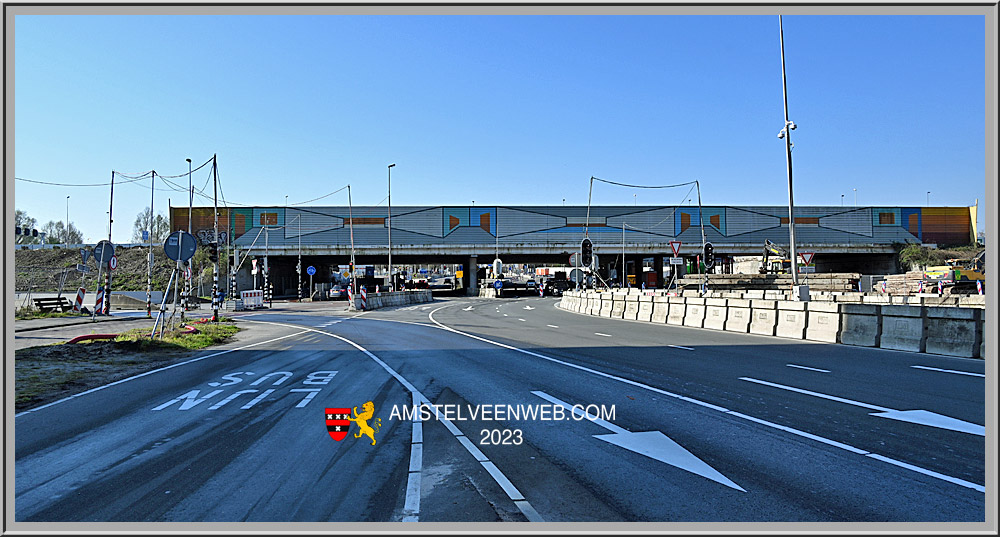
x,y
709,255
586,252
213,252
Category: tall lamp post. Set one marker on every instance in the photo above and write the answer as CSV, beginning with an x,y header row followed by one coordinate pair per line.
x,y
786,133
66,231
392,281
190,263
928,201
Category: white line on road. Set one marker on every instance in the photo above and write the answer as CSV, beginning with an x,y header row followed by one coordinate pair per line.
x,y
600,334
411,510
803,434
949,371
679,347
920,417
522,320
551,326
160,369
809,368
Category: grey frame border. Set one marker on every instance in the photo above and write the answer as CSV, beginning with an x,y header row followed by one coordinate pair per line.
x,y
986,9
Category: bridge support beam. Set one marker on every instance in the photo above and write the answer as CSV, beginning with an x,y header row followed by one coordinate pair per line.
x,y
472,272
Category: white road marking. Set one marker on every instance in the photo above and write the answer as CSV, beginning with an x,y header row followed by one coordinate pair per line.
x,y
653,444
528,308
803,434
809,368
679,347
504,314
920,417
411,509
600,334
522,320
161,369
551,326
470,308
948,371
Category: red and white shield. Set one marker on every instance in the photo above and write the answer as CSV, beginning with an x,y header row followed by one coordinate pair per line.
x,y
337,422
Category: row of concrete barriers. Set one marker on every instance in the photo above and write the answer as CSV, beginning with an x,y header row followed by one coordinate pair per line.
x,y
953,331
396,298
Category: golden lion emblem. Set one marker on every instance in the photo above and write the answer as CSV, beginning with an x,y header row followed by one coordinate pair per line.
x,y
362,421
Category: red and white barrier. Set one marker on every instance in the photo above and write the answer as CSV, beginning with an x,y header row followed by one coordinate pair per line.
x,y
80,293
364,298
252,299
99,303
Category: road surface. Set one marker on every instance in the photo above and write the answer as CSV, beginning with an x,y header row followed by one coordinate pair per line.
x,y
659,423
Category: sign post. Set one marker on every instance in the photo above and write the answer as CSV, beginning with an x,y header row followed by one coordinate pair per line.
x,y
310,270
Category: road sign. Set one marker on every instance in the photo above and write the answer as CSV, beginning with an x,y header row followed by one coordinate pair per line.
x,y
676,260
498,284
145,235
103,251
253,264
187,273
180,246
85,253
459,273
676,247
113,262
310,270
807,257
574,259
82,268
807,270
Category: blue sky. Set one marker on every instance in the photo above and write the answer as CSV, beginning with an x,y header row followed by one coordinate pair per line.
x,y
503,110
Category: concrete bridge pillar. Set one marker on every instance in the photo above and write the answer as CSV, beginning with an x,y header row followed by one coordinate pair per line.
x,y
472,271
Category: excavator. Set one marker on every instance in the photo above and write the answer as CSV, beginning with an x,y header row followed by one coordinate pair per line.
x,y
958,276
782,265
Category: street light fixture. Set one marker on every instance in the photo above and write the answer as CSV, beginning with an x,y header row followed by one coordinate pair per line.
x,y
928,199
855,197
786,134
841,200
392,281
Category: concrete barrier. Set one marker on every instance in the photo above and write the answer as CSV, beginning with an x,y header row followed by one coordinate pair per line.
x,y
398,298
953,331
675,315
661,306
763,317
860,325
593,306
823,322
618,307
631,311
715,313
903,328
738,315
694,315
645,308
791,319
607,304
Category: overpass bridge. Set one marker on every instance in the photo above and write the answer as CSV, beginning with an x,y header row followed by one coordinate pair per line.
x,y
856,239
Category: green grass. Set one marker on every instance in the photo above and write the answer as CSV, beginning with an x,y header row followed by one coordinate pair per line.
x,y
32,313
207,334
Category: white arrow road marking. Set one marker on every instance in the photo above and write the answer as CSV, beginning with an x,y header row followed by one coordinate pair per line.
x,y
948,371
528,308
470,308
920,417
652,444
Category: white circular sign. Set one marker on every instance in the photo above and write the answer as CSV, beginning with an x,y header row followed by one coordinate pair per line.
x,y
113,262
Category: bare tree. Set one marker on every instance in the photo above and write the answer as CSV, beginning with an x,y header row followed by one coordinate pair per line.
x,y
58,233
161,227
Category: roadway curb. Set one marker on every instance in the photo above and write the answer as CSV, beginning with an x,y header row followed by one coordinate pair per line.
x,y
74,323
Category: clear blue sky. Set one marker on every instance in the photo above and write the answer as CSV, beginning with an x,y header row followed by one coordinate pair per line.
x,y
503,110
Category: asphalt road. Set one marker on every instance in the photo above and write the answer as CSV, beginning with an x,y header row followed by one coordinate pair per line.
x,y
673,424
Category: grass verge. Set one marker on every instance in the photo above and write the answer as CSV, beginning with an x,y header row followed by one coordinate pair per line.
x,y
50,372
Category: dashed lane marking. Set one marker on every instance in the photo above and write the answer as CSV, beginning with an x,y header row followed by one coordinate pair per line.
x,y
600,334
808,368
948,371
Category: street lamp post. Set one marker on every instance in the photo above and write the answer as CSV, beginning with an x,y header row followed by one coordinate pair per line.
x,y
841,200
855,197
392,281
786,133
928,200
66,231
190,262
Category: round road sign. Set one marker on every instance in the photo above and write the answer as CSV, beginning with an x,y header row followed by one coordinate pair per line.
x,y
180,246
103,251
310,270
113,262
498,284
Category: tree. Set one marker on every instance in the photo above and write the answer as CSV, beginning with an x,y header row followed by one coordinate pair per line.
x,y
57,233
161,227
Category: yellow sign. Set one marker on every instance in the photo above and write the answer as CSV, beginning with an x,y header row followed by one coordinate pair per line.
x,y
347,274
459,273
